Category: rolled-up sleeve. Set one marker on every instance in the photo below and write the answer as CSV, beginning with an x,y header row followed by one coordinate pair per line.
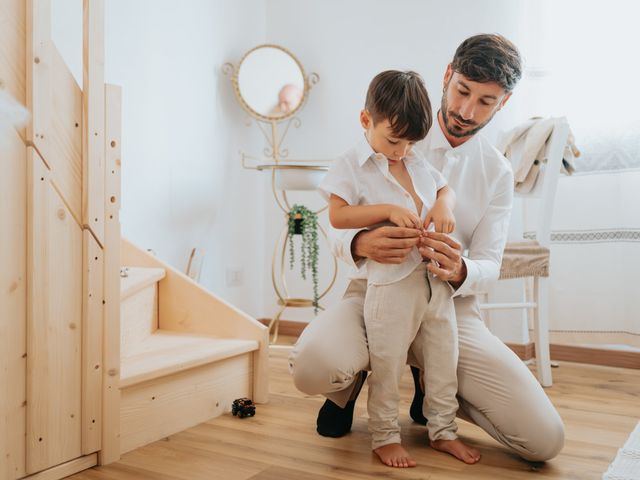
x,y
488,240
340,180
340,242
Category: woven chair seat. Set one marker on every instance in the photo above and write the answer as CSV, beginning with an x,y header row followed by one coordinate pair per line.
x,y
524,259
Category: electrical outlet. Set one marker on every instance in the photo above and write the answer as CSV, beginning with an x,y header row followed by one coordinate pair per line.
x,y
234,277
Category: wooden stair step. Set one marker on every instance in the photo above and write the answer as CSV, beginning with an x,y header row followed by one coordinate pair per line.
x,y
138,278
167,352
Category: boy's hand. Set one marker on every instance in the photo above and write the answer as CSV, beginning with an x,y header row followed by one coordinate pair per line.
x,y
403,217
442,218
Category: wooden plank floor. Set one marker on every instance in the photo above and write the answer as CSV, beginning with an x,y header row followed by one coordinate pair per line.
x,y
600,407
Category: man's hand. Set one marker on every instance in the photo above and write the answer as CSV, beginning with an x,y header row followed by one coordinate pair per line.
x,y
448,254
385,244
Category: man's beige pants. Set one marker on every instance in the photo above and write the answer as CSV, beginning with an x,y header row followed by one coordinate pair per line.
x,y
496,391
394,315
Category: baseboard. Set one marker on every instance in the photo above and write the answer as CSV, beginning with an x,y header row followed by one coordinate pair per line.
x,y
581,354
66,469
596,356
526,351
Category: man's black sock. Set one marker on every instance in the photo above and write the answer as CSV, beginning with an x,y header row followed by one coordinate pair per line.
x,y
418,397
334,421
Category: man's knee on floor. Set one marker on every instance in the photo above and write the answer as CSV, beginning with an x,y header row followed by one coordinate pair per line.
x,y
314,372
548,441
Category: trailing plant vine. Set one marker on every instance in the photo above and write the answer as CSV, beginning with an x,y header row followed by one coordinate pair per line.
x,y
304,222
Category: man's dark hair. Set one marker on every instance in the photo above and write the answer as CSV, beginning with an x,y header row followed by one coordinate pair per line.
x,y
489,58
401,98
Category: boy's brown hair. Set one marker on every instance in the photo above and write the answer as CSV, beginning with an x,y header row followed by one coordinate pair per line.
x,y
401,98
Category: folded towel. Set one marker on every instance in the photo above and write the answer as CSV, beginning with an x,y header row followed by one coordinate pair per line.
x,y
527,145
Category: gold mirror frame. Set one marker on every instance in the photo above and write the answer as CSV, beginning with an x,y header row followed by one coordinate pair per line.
x,y
245,105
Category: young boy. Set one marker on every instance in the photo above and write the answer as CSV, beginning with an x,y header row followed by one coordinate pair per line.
x,y
380,180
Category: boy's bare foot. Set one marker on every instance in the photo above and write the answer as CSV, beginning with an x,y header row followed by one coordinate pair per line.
x,y
457,449
394,455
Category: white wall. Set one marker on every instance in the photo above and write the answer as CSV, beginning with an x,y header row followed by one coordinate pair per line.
x,y
594,274
182,183
347,43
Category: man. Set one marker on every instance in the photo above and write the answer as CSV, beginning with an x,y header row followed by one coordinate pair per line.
x,y
496,390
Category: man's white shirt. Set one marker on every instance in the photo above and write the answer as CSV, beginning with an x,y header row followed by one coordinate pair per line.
x,y
362,177
482,179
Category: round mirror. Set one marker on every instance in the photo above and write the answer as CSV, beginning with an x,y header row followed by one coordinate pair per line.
x,y
270,82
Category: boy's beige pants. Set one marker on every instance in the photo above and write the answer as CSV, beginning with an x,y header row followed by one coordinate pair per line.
x,y
395,315
496,390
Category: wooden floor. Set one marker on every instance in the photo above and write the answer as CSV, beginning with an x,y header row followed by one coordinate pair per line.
x,y
599,405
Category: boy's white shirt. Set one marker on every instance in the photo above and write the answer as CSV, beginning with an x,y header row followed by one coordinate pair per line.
x,y
482,179
362,177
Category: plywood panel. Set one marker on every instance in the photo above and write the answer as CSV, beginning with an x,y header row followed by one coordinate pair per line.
x,y
111,337
55,100
139,319
38,72
65,156
13,314
12,48
92,324
54,319
93,114
167,405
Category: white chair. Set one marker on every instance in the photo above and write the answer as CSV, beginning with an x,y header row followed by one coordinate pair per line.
x,y
530,260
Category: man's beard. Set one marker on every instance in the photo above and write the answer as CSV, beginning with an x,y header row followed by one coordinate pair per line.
x,y
453,129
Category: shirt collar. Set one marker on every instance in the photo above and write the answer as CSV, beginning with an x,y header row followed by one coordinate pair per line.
x,y
436,140
364,152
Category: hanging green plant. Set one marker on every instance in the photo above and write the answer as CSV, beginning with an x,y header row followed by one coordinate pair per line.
x,y
304,222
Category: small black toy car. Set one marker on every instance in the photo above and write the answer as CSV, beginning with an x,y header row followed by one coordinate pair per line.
x,y
243,407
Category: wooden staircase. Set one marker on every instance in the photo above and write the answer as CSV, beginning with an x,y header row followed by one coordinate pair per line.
x,y
93,365
185,354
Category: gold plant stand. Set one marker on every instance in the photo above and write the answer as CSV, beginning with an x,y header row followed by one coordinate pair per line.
x,y
285,300
305,172
277,166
